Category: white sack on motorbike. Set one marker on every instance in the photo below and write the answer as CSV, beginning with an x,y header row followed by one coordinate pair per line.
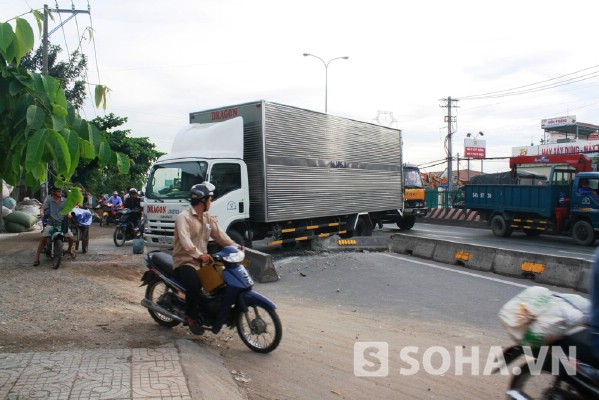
x,y
538,316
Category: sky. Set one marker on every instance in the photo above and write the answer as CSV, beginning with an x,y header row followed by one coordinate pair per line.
x,y
162,60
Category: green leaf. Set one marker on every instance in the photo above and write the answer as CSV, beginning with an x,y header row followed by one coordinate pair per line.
x,y
100,93
122,162
105,155
39,172
6,38
72,139
39,19
23,39
87,150
63,157
35,149
58,122
74,197
35,117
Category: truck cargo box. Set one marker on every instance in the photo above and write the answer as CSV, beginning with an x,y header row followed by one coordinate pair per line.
x,y
533,199
304,164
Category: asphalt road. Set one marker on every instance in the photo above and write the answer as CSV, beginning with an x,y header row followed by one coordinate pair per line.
x,y
399,285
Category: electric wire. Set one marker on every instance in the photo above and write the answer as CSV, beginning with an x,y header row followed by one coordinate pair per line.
x,y
534,87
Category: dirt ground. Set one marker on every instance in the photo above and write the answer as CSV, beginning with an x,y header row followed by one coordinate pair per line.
x,y
94,302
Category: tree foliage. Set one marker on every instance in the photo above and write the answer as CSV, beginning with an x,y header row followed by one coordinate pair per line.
x,y
70,73
140,150
38,126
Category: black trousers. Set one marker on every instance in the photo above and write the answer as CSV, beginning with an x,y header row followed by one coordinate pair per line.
x,y
188,277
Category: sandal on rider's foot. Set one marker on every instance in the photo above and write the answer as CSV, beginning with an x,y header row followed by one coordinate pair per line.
x,y
72,254
36,263
195,327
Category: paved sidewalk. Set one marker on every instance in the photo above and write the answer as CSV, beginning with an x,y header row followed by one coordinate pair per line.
x,y
183,371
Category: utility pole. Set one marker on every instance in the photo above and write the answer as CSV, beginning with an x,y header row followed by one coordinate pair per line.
x,y
45,45
73,13
449,103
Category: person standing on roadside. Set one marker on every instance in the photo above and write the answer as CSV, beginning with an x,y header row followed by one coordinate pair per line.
x,y
193,228
53,205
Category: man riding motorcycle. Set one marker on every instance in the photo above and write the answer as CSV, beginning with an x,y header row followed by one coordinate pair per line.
x,y
133,202
193,228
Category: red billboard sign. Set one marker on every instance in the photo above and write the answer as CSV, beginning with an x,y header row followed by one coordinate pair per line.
x,y
474,148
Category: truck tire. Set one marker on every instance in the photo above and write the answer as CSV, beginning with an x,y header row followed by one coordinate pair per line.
x,y
238,238
363,228
500,227
583,233
406,223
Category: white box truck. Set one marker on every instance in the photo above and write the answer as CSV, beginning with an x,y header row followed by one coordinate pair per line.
x,y
280,172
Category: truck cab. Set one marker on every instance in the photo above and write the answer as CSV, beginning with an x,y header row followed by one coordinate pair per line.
x,y
171,177
414,196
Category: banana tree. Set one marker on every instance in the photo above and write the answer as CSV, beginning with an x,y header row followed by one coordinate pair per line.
x,y
38,127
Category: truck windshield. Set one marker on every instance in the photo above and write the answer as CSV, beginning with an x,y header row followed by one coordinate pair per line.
x,y
411,177
173,180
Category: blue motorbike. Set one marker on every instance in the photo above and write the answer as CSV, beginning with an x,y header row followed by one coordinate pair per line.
x,y
227,298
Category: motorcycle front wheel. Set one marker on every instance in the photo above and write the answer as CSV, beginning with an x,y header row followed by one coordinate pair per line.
x,y
119,237
56,253
155,292
260,329
539,385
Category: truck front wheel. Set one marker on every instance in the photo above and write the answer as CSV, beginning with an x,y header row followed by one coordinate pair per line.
x,y
406,223
583,233
500,227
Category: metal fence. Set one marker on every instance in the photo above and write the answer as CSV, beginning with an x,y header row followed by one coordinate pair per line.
x,y
436,198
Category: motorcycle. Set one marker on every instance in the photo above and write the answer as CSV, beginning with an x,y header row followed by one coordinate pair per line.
x,y
553,372
227,298
108,212
125,229
54,248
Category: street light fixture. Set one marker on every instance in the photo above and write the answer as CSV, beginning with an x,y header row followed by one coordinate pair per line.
x,y
326,74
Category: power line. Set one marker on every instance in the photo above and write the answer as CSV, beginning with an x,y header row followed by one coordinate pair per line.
x,y
534,87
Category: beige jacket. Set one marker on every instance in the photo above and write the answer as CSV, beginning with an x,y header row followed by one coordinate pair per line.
x,y
192,232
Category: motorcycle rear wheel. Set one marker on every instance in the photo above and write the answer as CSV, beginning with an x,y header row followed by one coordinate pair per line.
x,y
56,253
540,386
119,237
154,292
260,329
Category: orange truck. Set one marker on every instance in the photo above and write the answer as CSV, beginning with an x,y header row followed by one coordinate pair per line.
x,y
414,197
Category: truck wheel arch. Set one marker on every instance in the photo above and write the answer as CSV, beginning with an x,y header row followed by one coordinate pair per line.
x,y
239,234
363,226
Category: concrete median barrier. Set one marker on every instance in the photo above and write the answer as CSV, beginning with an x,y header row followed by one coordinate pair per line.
x,y
261,266
356,243
413,245
551,270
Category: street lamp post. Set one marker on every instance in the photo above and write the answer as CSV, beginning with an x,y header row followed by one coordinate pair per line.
x,y
326,74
